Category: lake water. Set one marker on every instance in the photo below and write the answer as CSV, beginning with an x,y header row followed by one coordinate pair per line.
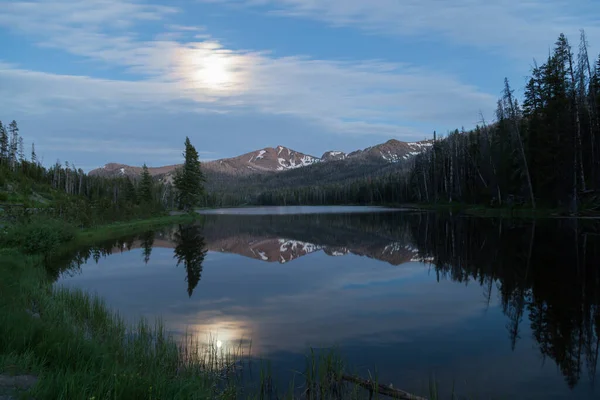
x,y
497,309
292,210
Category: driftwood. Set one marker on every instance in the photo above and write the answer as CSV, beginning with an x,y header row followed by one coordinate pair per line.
x,y
381,389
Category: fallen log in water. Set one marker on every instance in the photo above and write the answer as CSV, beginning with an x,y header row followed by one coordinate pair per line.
x,y
381,389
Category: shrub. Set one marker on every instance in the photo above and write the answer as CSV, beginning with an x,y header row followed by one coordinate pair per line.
x,y
39,235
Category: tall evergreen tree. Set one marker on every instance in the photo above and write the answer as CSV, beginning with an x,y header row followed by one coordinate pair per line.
x,y
189,179
33,154
146,184
3,144
514,114
13,130
21,149
129,191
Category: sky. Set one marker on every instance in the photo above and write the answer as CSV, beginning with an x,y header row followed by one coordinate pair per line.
x,y
98,81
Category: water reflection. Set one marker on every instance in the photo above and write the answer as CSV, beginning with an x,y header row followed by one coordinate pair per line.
x,y
547,272
190,250
147,239
543,278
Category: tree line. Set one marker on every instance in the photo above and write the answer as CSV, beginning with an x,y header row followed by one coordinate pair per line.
x,y
65,191
541,153
544,152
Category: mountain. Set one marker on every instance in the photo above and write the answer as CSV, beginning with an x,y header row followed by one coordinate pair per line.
x,y
279,159
392,151
268,159
333,155
116,169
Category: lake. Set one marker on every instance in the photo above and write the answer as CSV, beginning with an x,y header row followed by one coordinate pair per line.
x,y
494,308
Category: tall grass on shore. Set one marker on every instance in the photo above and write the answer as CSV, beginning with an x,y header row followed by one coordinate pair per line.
x,y
77,347
81,350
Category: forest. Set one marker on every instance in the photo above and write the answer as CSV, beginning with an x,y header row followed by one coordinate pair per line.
x,y
544,152
68,193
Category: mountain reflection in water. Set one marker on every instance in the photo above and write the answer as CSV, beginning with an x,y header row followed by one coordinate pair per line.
x,y
544,275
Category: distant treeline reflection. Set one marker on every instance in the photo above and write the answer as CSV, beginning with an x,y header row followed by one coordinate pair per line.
x,y
547,272
189,250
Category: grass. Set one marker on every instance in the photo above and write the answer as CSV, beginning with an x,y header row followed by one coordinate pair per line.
x,y
118,229
81,350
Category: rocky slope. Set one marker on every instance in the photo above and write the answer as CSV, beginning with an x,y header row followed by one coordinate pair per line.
x,y
269,159
280,159
116,169
392,151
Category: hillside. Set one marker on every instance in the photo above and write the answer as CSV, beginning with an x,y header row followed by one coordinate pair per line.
x,y
276,167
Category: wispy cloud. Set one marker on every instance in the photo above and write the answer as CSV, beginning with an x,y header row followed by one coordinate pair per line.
x,y
154,154
519,29
115,146
353,97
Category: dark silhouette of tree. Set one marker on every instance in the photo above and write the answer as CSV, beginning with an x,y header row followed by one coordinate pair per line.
x,y
146,185
547,272
147,242
190,249
189,179
4,144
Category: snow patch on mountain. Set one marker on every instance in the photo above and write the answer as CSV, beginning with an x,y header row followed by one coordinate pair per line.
x,y
295,161
282,158
333,155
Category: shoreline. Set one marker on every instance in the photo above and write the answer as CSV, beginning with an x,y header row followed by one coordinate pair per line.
x,y
460,208
72,346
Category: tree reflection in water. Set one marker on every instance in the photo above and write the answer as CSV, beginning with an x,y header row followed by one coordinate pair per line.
x,y
190,249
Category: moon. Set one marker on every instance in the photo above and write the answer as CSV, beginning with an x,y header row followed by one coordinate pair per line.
x,y
214,72
219,344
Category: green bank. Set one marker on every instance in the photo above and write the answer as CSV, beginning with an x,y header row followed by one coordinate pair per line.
x,y
73,345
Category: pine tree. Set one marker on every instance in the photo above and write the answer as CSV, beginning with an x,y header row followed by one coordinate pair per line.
x,y
129,191
189,179
33,155
13,130
21,150
3,144
145,187
514,114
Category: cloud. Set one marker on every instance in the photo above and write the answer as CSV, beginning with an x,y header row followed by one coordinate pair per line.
x,y
114,146
518,29
350,97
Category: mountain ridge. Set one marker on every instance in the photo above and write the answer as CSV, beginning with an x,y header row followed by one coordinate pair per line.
x,y
278,159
